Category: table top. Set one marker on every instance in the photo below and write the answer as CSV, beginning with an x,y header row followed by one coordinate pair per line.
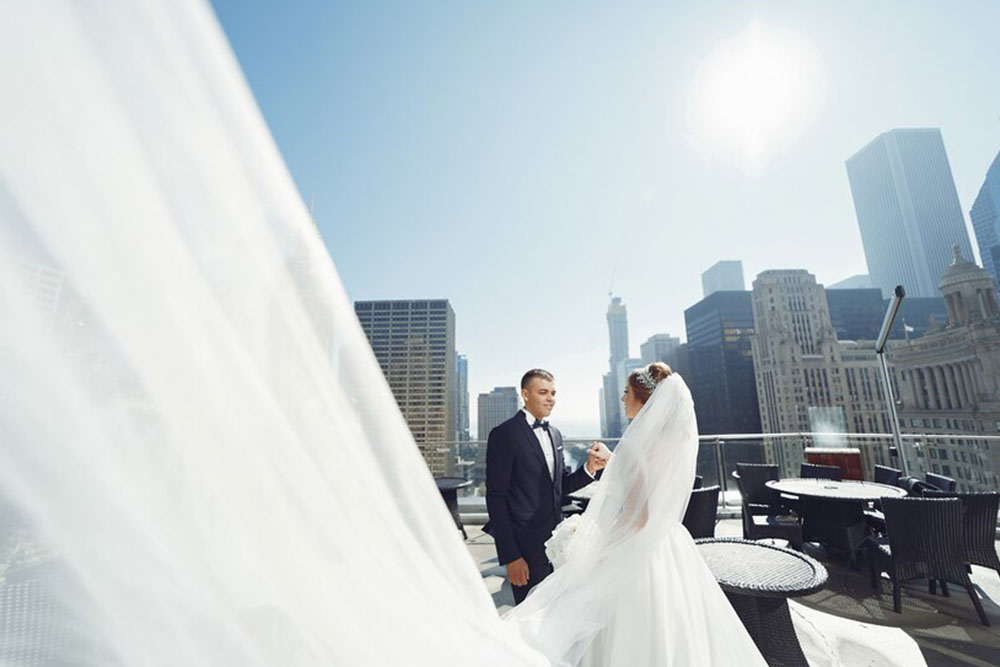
x,y
586,492
451,483
760,569
851,490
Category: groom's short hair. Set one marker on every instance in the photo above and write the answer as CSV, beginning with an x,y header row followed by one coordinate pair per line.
x,y
535,373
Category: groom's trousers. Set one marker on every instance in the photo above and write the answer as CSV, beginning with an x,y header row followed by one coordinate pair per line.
x,y
539,567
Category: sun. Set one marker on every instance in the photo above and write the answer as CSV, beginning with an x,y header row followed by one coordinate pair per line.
x,y
754,94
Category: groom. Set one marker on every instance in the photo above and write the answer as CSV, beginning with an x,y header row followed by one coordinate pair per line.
x,y
526,480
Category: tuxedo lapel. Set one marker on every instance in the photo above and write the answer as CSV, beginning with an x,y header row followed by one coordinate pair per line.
x,y
557,460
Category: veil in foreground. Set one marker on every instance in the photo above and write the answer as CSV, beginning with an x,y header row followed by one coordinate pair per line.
x,y
200,461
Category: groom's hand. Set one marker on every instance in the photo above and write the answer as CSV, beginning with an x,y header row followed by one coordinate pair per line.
x,y
517,572
597,457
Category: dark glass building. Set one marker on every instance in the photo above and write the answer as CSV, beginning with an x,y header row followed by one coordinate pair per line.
x,y
857,314
720,374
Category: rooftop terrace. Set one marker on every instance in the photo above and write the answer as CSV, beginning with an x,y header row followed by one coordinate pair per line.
x,y
945,628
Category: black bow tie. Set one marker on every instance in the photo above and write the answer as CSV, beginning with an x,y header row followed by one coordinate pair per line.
x,y
540,424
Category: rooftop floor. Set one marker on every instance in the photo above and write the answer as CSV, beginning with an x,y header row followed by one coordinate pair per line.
x,y
946,629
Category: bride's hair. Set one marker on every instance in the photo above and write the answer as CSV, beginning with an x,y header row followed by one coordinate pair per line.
x,y
639,384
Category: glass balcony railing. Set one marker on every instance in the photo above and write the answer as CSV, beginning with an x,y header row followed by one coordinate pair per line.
x,y
972,460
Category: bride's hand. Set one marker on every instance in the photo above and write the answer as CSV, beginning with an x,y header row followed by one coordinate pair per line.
x,y
598,456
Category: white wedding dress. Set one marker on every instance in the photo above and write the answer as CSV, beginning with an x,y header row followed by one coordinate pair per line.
x,y
633,589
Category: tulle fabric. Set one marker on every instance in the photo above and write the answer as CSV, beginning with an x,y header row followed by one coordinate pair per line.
x,y
634,590
194,433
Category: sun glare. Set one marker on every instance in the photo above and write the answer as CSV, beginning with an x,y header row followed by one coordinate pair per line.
x,y
754,94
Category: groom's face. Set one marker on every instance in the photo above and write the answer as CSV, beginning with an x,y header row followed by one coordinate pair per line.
x,y
539,397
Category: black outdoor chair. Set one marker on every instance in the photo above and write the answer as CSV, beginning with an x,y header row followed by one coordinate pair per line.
x,y
763,515
940,481
816,471
702,508
887,475
915,487
979,519
698,481
925,541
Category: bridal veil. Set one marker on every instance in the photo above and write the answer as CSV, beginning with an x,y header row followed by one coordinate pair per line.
x,y
200,461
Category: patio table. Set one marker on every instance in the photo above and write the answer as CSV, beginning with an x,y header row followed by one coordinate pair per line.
x,y
758,578
584,494
833,511
449,486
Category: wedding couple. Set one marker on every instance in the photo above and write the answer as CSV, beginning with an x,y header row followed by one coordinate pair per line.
x,y
630,588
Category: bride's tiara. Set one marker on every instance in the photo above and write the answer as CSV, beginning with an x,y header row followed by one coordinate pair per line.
x,y
646,379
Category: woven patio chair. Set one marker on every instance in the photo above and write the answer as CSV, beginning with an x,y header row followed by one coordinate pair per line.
x,y
887,475
816,471
940,481
925,541
699,518
979,517
763,515
915,487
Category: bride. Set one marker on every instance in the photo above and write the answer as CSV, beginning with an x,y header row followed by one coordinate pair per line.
x,y
633,589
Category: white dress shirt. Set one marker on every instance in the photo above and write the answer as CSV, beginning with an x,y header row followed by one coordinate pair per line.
x,y
545,442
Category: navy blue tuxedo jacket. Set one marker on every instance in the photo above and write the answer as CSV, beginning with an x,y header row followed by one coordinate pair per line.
x,y
524,502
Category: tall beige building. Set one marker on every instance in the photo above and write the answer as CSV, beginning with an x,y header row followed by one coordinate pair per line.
x,y
807,380
948,382
414,342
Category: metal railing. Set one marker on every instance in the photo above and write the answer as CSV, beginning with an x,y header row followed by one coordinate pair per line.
x,y
968,458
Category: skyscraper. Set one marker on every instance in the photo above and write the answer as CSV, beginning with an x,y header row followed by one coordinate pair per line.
x,y
495,408
985,216
860,281
611,426
617,330
719,330
622,370
660,347
856,314
462,397
612,420
414,342
907,209
726,275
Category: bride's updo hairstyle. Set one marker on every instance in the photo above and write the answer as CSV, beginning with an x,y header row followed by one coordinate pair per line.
x,y
644,380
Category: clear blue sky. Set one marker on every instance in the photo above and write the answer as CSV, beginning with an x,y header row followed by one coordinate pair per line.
x,y
509,156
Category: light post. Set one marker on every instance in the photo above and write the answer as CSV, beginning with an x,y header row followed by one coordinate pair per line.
x,y
883,337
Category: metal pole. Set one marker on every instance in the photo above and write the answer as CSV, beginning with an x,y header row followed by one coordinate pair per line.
x,y
720,469
893,416
883,338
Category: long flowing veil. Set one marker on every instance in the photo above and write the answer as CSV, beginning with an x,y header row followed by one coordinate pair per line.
x,y
200,461
642,496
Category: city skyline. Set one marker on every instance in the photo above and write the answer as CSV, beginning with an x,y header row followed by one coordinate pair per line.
x,y
446,163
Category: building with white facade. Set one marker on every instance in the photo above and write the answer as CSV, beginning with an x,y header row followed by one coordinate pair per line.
x,y
949,382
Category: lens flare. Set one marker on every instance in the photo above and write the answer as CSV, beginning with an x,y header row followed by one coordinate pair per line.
x,y
754,94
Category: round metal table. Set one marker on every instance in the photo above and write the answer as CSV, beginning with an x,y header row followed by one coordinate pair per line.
x,y
758,579
449,486
846,490
833,511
